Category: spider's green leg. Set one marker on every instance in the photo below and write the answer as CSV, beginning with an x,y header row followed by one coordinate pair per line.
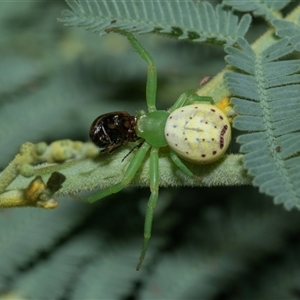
x,y
154,187
189,97
177,161
129,174
151,85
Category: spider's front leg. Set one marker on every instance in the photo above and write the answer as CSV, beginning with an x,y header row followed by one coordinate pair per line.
x,y
129,174
189,97
151,85
154,187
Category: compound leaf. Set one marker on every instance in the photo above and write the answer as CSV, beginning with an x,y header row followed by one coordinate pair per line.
x,y
289,29
266,8
266,99
193,20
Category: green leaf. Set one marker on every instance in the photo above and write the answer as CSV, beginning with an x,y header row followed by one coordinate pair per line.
x,y
193,20
59,269
115,264
88,174
266,99
19,244
288,29
266,8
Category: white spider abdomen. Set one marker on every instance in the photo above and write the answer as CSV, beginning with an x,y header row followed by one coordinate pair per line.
x,y
199,133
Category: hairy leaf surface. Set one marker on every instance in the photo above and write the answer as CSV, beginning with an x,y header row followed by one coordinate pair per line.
x,y
193,20
264,8
266,99
289,29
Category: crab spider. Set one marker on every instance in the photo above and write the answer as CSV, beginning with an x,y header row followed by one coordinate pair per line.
x,y
193,128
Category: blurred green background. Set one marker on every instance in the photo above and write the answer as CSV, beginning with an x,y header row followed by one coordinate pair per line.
x,y
207,243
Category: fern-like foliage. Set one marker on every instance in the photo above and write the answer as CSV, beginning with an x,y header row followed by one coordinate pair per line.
x,y
59,270
113,265
268,105
24,231
193,20
264,8
289,29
